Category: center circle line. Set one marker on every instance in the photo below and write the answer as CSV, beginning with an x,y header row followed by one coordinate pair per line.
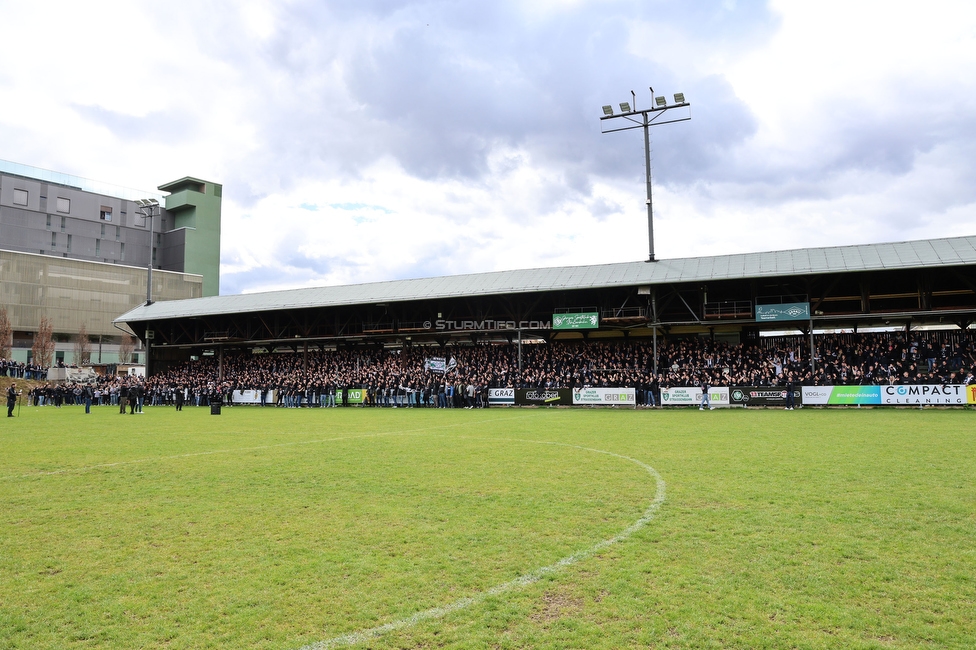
x,y
355,638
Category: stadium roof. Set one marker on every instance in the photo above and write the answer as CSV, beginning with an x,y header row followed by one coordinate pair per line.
x,y
955,251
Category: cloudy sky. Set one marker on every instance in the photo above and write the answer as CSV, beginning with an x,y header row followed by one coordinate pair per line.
x,y
371,140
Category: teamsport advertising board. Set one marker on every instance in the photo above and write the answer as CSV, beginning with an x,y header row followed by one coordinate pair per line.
x,y
761,395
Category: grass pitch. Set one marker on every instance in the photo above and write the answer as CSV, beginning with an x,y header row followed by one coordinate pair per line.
x,y
273,528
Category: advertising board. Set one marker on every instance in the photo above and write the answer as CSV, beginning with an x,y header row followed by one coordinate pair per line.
x,y
251,397
921,394
839,395
543,397
605,396
692,395
501,397
785,312
584,321
761,395
971,394
888,395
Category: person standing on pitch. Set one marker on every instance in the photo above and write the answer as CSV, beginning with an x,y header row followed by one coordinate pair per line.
x,y
706,398
123,393
11,399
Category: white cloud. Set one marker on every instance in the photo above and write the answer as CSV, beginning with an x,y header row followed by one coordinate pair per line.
x,y
475,127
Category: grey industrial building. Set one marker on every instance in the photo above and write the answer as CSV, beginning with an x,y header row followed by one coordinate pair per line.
x,y
77,252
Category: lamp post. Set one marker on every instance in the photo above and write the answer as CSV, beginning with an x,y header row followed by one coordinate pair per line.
x,y
148,209
634,119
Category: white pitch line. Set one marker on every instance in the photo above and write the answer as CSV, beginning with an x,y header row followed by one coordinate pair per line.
x,y
86,468
355,638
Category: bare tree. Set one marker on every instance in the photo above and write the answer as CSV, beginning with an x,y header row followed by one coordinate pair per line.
x,y
43,348
6,334
82,347
126,347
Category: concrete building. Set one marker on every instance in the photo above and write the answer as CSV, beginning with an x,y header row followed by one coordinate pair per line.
x,y
76,252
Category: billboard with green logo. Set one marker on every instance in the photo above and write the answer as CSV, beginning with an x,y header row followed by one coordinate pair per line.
x,y
584,321
784,312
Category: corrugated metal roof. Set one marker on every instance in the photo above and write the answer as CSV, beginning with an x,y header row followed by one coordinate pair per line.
x,y
954,251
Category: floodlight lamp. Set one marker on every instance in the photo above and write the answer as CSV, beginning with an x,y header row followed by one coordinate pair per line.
x,y
625,107
608,110
660,101
679,98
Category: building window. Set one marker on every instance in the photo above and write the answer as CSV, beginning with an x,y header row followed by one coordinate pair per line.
x,y
105,214
64,221
122,252
98,247
103,230
49,222
64,205
69,243
117,231
20,197
54,240
154,255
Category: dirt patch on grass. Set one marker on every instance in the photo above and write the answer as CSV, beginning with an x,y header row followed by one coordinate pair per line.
x,y
557,604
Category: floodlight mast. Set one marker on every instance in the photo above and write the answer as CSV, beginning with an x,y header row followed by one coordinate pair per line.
x,y
645,119
148,208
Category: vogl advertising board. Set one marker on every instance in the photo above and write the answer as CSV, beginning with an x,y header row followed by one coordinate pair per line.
x,y
840,395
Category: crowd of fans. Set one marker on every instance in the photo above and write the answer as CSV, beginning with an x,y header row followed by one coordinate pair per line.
x,y
402,377
17,370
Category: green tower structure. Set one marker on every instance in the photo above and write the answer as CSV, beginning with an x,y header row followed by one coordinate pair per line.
x,y
195,206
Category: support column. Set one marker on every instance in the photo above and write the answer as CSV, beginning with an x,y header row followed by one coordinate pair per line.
x,y
520,349
813,352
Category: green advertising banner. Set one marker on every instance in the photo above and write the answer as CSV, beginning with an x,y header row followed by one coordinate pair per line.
x,y
587,321
786,311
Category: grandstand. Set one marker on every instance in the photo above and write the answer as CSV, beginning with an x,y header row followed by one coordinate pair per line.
x,y
645,309
906,284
